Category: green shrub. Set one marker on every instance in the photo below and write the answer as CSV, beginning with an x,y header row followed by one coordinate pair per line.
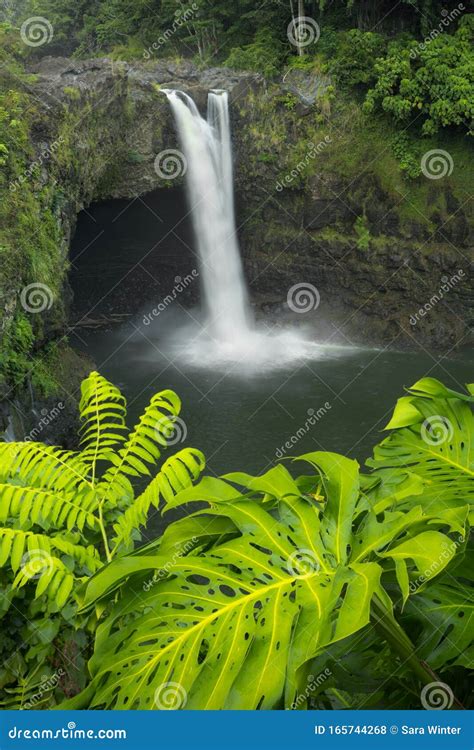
x,y
431,83
265,55
354,61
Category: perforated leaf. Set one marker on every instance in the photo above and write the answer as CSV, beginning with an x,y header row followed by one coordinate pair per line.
x,y
235,626
432,435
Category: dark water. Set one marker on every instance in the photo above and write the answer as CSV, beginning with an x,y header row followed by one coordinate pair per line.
x,y
126,255
244,422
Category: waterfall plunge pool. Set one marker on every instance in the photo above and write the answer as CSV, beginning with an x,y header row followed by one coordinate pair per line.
x,y
242,421
262,394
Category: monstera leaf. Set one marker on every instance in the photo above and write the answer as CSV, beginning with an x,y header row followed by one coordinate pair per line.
x,y
432,435
445,611
288,567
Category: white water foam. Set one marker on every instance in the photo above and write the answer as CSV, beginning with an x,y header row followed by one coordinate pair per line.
x,y
228,336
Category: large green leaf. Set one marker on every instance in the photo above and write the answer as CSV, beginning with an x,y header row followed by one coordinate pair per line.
x,y
235,626
445,610
432,435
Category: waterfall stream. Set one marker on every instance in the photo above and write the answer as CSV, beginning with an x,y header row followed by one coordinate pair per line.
x,y
228,334
208,152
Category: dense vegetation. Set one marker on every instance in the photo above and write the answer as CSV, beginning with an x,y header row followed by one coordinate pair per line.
x,y
331,588
415,58
403,74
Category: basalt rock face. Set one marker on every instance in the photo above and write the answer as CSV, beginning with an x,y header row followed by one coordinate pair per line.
x,y
317,202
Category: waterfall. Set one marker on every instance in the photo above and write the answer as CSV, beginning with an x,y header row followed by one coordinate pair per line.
x,y
206,144
229,334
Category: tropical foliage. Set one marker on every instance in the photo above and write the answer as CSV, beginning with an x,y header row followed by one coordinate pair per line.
x,y
63,514
432,82
235,605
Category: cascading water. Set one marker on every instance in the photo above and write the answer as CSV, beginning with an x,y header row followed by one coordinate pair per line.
x,y
208,152
229,334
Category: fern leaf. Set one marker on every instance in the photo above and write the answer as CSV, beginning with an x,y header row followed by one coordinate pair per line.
x,y
141,448
25,548
29,505
177,473
43,466
103,410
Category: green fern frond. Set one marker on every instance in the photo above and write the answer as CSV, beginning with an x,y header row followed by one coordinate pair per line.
x,y
54,579
20,548
43,466
141,448
177,473
29,505
103,410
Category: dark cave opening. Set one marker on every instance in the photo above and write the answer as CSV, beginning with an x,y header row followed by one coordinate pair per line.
x,y
128,252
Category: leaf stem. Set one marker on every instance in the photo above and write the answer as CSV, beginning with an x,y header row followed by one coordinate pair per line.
x,y
104,534
396,637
